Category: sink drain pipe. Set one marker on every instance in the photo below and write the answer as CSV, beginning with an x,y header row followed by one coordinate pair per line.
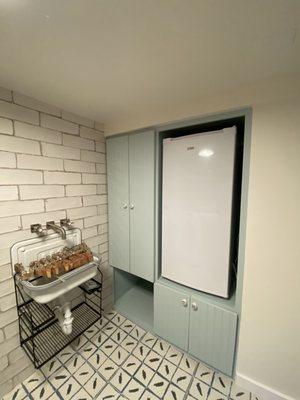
x,y
63,313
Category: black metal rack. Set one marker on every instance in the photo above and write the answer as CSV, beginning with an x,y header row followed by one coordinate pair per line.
x,y
40,333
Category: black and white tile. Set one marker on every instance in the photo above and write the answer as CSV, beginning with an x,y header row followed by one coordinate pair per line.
x,y
115,359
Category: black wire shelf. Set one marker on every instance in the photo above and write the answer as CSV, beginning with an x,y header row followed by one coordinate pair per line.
x,y
40,333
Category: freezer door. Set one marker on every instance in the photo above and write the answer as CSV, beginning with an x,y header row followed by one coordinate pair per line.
x,y
196,209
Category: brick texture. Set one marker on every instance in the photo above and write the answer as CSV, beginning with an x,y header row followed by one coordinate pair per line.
x,y
52,165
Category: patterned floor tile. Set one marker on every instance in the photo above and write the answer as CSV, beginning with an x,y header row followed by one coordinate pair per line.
x,y
137,332
119,355
131,365
69,389
222,383
84,373
108,393
161,347
18,393
144,374
50,367
99,339
149,339
117,360
141,351
120,380
204,373
42,392
79,342
74,363
129,343
94,385
90,332
60,377
97,359
166,369
110,314
127,325
87,350
215,395
237,393
188,364
34,381
148,396
107,369
118,336
82,395
133,390
109,346
174,355
65,354
153,360
118,319
109,328
173,393
182,379
54,396
158,386
198,389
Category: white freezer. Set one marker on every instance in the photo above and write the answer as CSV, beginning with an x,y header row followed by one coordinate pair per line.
x,y
196,209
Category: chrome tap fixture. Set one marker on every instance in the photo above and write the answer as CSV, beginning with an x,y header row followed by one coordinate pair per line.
x,y
58,229
37,228
66,223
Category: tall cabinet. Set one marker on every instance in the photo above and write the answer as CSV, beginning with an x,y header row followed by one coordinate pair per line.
x,y
131,192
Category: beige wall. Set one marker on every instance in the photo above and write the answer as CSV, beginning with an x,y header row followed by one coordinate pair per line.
x,y
52,166
269,351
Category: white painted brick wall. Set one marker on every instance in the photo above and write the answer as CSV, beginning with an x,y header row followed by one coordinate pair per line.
x,y
79,166
35,104
6,126
19,177
78,142
40,191
39,162
19,145
18,113
53,150
37,133
59,124
62,177
7,160
80,190
48,157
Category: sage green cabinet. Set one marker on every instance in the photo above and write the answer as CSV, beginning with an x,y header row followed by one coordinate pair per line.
x,y
212,334
131,209
171,315
206,331
118,195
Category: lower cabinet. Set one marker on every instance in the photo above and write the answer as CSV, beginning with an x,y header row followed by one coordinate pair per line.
x,y
171,315
206,331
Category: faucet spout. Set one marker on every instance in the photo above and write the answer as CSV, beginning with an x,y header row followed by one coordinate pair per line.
x,y
58,229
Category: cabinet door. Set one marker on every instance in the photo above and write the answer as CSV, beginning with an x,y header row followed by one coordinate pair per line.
x,y
118,201
212,335
142,192
171,315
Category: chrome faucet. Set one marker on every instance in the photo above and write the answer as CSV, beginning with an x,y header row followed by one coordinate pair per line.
x,y
58,229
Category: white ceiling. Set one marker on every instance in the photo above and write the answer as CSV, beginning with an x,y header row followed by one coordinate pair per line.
x,y
114,59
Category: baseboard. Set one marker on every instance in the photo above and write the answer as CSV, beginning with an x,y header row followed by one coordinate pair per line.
x,y
262,391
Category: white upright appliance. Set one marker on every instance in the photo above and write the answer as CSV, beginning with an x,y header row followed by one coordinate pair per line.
x,y
197,196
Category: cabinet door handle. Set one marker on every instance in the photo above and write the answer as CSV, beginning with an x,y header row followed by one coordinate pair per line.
x,y
194,306
125,206
131,207
184,302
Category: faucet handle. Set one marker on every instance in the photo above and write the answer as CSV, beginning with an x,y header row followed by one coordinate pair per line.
x,y
37,228
66,223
